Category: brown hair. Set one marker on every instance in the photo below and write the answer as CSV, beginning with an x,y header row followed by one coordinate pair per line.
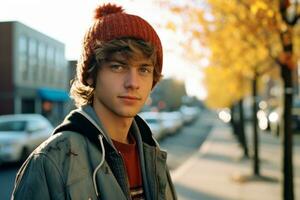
x,y
81,92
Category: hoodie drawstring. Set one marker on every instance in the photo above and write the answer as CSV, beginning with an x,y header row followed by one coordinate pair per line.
x,y
100,137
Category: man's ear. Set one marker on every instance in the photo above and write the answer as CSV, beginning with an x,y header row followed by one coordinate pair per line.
x,y
90,82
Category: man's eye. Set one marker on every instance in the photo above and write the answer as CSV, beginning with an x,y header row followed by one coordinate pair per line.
x,y
117,67
146,70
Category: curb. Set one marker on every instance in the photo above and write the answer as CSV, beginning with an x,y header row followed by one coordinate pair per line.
x,y
203,149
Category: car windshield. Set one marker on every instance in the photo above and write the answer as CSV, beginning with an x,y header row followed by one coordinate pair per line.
x,y
12,125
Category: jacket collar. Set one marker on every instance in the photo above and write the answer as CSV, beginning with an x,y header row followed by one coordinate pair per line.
x,y
85,122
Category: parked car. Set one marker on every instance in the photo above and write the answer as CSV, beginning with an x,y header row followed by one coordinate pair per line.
x,y
225,115
20,134
262,118
172,121
276,116
154,121
189,113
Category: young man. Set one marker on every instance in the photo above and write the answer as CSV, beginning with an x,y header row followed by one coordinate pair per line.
x,y
103,150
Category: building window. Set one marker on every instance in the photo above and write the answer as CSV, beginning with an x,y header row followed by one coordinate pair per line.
x,y
57,68
50,65
41,61
33,68
28,105
23,59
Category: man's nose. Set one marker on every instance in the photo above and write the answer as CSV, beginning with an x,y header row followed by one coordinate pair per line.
x,y
132,79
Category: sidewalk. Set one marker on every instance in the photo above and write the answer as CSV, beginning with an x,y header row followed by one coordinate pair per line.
x,y
211,172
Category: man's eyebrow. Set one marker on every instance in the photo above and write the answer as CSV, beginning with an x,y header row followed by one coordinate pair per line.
x,y
121,61
147,65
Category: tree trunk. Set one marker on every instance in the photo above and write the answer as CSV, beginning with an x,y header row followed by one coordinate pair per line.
x,y
234,122
238,126
288,185
287,65
242,134
256,170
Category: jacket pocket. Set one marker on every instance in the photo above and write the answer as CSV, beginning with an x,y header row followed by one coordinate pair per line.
x,y
82,189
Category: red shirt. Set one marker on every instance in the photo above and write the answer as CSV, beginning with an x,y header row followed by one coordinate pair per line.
x,y
129,153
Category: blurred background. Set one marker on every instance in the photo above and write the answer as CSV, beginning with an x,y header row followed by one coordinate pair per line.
x,y
227,110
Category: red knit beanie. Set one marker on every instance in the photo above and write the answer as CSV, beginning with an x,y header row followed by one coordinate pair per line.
x,y
111,22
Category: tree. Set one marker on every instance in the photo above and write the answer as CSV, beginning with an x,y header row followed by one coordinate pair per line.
x,y
287,63
246,38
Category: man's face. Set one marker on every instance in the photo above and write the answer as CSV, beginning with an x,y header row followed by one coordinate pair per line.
x,y
123,84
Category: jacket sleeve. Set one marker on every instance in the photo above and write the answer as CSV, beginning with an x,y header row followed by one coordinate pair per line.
x,y
38,178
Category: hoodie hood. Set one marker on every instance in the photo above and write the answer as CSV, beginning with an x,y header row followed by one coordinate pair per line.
x,y
85,122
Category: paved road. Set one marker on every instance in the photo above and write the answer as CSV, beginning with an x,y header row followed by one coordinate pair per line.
x,y
179,146
187,141
7,177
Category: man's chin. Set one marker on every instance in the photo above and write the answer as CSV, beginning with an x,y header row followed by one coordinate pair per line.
x,y
130,116
127,115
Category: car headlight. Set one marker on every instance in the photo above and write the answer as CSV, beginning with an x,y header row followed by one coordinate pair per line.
x,y
225,115
261,114
273,117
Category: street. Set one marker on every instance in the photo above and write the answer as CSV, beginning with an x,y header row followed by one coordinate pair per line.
x,y
7,177
180,146
187,141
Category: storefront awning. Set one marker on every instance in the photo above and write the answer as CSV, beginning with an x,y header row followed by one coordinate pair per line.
x,y
51,94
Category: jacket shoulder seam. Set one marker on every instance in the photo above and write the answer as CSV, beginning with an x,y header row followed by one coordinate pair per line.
x,y
54,164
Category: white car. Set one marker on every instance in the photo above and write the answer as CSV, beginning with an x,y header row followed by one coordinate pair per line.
x,y
173,121
154,121
20,134
189,113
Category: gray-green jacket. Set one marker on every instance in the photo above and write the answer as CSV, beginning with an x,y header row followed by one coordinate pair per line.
x,y
80,162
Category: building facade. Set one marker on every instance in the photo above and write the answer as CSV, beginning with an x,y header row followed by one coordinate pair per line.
x,y
33,71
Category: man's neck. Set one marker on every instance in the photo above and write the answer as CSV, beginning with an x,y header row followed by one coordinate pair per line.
x,y
117,127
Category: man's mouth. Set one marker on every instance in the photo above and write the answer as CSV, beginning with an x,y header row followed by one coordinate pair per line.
x,y
129,97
